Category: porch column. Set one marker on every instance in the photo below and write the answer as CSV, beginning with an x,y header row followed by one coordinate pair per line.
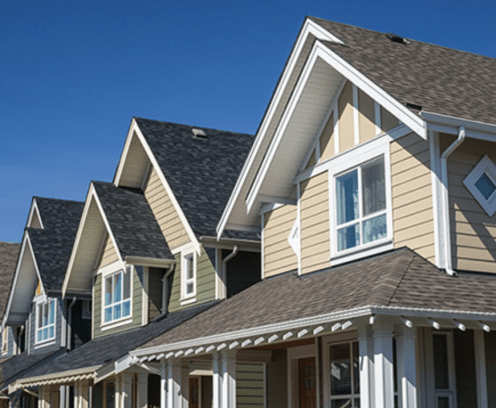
x,y
117,392
126,396
185,384
142,390
406,367
366,365
216,381
77,395
164,397
383,364
44,397
480,369
174,378
228,369
84,395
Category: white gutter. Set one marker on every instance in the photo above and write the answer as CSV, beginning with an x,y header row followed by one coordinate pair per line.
x,y
445,200
230,256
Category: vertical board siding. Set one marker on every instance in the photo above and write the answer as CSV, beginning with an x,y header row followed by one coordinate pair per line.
x,y
205,280
50,345
279,257
388,121
164,211
413,218
315,242
249,385
136,307
327,140
473,231
345,109
109,254
366,116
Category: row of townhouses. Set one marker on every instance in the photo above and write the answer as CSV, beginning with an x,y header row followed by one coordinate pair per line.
x,y
344,256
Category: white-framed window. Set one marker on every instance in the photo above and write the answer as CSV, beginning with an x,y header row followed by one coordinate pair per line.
x,y
117,296
45,320
5,340
188,275
481,182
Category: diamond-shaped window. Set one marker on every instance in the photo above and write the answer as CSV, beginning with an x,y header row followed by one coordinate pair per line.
x,y
481,182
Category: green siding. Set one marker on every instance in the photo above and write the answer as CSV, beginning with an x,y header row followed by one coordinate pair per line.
x,y
249,385
205,280
137,305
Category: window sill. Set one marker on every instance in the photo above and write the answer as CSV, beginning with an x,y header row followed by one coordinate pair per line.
x,y
188,301
114,324
44,343
362,252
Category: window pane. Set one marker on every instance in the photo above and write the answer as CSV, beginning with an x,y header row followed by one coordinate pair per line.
x,y
117,311
118,287
126,308
45,314
440,348
348,237
51,332
373,185
189,288
344,403
374,229
51,318
127,285
340,370
39,335
45,334
108,314
443,402
189,267
347,197
108,291
485,186
356,370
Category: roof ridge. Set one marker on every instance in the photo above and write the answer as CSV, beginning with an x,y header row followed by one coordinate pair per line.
x,y
57,199
402,277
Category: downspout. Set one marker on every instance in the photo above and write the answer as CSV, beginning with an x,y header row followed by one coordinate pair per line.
x,y
69,323
164,287
224,267
445,200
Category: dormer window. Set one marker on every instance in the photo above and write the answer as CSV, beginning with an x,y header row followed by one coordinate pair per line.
x,y
188,276
45,321
481,182
117,296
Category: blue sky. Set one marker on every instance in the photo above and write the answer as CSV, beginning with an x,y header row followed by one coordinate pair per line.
x,y
74,73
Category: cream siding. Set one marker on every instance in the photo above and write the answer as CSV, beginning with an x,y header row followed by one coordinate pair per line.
x,y
388,121
249,385
164,211
327,140
413,220
366,116
345,114
278,257
473,232
109,254
315,242
312,161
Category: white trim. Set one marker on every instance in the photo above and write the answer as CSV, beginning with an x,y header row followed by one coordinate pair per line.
x,y
34,209
377,118
336,126
110,268
50,340
117,322
356,119
480,369
187,298
475,129
486,167
435,158
298,222
145,289
292,356
294,238
262,255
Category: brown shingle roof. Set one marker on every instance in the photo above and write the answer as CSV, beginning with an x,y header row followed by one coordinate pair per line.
x,y
441,80
8,259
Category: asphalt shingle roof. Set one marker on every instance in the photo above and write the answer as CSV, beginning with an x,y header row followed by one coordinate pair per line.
x,y
439,79
62,215
132,222
8,259
398,278
201,172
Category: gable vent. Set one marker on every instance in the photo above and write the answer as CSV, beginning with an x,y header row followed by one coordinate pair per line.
x,y
396,38
199,134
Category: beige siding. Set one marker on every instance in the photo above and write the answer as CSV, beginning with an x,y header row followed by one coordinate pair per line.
x,y
388,121
249,385
413,223
109,254
473,232
35,220
366,116
327,140
163,209
315,243
279,257
345,109
312,161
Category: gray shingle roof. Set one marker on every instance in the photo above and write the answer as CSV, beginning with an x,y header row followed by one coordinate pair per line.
x,y
8,259
440,80
132,222
200,172
398,278
62,215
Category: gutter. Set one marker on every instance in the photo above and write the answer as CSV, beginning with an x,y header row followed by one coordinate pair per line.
x,y
445,201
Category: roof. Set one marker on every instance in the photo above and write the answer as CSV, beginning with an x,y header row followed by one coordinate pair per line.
x,y
399,278
200,171
441,80
8,259
62,215
107,349
135,228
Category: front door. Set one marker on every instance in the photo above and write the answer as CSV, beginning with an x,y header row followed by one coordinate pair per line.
x,y
194,392
308,382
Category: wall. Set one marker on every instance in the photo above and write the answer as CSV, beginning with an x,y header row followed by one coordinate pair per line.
x,y
466,387
155,290
242,271
277,380
59,321
249,385
490,349
109,254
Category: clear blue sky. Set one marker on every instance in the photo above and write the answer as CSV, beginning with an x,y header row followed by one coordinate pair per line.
x,y
73,73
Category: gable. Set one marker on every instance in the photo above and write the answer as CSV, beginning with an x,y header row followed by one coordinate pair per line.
x,y
34,220
109,254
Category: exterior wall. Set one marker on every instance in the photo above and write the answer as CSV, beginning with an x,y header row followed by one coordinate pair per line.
x,y
10,342
277,380
473,232
466,387
109,254
345,115
154,290
413,219
314,205
490,349
164,211
242,271
205,280
366,117
326,140
278,255
136,307
388,121
59,321
249,385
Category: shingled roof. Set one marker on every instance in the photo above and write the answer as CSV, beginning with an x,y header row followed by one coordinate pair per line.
x,y
200,171
135,228
399,278
8,259
441,80
61,215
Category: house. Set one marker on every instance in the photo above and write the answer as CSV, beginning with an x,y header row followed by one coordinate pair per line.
x,y
37,321
147,254
372,181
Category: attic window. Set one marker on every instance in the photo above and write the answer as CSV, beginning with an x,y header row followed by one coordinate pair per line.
x,y
481,182
199,134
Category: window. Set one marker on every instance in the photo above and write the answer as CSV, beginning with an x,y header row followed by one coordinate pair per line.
x,y
117,296
481,182
189,276
5,340
344,374
45,321
361,210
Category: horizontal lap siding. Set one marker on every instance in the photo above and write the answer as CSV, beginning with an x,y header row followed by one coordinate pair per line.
x,y
164,211
314,207
473,232
109,254
366,116
249,385
413,219
345,115
279,257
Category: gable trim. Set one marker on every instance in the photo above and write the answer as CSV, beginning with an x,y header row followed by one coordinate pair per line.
x,y
34,209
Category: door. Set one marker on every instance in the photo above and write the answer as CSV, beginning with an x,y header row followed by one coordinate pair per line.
x,y
308,382
194,392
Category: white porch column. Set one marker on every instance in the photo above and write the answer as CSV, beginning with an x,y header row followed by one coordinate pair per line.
x,y
185,384
406,367
77,395
216,381
480,369
163,384
44,398
366,365
126,396
117,392
142,390
84,395
383,364
174,370
228,368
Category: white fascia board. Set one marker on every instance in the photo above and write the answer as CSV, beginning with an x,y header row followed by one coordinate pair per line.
x,y
125,151
34,209
124,363
433,313
309,28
